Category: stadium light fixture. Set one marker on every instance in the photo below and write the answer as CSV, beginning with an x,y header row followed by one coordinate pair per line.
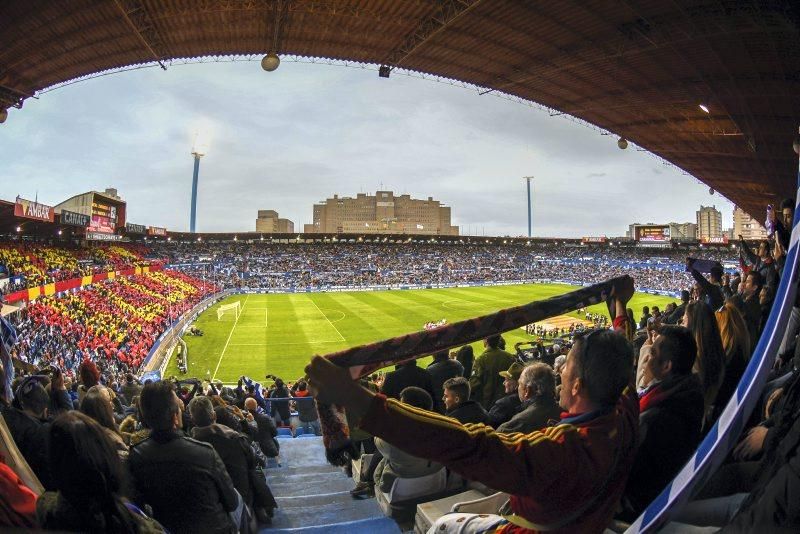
x,y
270,62
235,238
19,229
622,143
704,108
3,115
169,239
199,239
60,232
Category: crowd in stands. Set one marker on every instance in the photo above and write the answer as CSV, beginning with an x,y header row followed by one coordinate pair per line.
x,y
592,435
32,264
282,266
113,323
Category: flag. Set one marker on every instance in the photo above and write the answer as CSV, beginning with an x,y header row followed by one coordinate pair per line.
x,y
8,336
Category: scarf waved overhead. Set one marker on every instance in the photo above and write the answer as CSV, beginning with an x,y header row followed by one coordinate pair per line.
x,y
364,360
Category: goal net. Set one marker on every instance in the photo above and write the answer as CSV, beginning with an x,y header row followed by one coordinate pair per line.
x,y
229,310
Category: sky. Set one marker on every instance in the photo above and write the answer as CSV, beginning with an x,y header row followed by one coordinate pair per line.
x,y
287,139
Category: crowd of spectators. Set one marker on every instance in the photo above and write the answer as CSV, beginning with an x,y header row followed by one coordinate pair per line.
x,y
114,323
32,264
321,265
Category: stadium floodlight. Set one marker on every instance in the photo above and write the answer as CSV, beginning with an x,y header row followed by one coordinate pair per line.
x,y
530,207
199,149
704,108
3,115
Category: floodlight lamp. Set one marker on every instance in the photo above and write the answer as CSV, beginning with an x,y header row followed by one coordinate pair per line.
x,y
270,62
200,145
704,108
60,232
168,239
198,239
622,143
235,238
3,115
19,228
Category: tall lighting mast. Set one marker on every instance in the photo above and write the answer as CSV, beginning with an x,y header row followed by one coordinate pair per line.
x,y
199,149
530,212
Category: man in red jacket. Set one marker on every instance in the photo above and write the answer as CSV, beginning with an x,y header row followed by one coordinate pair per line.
x,y
568,477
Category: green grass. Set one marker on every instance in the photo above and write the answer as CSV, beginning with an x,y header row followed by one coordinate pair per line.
x,y
278,333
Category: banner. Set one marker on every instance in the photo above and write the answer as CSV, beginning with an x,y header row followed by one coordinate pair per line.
x,y
102,236
33,210
593,239
715,240
155,230
135,228
74,219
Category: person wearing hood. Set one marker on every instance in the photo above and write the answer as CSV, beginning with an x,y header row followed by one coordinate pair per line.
x,y
670,418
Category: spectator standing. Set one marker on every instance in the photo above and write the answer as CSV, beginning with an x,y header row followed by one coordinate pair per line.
x,y
27,421
466,357
710,362
406,375
486,383
130,388
441,369
670,418
266,430
280,408
307,410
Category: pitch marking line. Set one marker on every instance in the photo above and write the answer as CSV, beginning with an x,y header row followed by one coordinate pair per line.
x,y
230,335
287,343
326,318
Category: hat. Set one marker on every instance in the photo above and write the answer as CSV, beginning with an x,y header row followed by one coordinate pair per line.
x,y
513,372
31,394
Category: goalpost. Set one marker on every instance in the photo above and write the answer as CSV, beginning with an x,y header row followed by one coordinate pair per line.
x,y
234,308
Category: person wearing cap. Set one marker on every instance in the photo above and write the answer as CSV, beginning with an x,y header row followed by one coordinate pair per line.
x,y
537,393
27,421
507,407
458,404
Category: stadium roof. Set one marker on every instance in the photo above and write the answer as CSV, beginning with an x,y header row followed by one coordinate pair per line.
x,y
640,70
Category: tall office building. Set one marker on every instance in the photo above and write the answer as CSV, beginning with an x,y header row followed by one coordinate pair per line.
x,y
746,226
268,222
383,213
709,223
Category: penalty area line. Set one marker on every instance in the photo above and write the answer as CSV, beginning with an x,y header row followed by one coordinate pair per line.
x,y
230,335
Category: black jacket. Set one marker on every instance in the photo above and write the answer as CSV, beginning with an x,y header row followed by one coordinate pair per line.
x,y
281,407
772,505
234,450
185,482
504,409
533,415
469,412
306,409
440,372
31,436
669,432
265,434
404,376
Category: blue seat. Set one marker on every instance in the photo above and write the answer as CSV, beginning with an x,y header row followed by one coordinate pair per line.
x,y
298,432
284,432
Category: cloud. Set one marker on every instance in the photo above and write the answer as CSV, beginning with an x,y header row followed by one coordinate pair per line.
x,y
288,139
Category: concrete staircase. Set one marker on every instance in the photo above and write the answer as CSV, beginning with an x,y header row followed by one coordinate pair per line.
x,y
313,496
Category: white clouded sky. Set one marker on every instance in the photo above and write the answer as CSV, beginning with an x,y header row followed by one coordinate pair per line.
x,y
287,139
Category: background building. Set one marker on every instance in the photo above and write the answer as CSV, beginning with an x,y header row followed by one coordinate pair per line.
x,y
746,226
382,213
268,222
709,223
105,213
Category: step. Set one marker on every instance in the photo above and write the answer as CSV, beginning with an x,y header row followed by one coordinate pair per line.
x,y
327,510
376,525
309,483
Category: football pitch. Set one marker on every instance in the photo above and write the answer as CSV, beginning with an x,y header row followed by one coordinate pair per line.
x,y
278,333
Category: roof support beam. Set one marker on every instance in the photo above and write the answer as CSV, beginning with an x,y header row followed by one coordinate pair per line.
x,y
449,12
142,25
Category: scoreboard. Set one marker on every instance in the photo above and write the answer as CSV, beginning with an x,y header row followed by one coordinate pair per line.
x,y
652,233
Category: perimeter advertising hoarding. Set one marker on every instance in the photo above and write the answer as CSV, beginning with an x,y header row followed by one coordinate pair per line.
x,y
102,236
74,219
155,230
653,233
602,239
132,228
33,210
715,240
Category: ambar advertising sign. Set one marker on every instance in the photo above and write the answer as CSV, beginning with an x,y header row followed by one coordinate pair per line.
x,y
135,228
74,219
155,230
33,210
